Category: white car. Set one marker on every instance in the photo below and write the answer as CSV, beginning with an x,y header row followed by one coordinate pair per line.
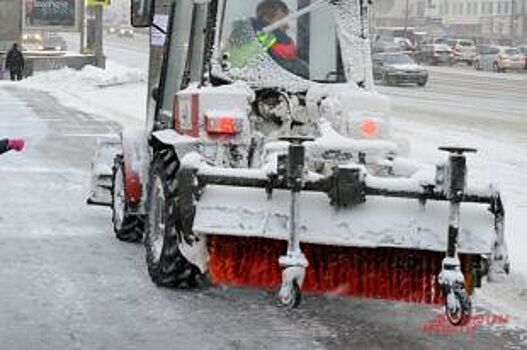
x,y
499,58
464,50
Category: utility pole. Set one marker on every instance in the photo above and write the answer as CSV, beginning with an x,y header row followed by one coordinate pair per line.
x,y
524,20
95,33
406,14
82,24
99,53
513,18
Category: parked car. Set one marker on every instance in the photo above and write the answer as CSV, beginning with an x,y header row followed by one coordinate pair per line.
x,y
499,58
464,50
523,50
396,68
431,41
435,54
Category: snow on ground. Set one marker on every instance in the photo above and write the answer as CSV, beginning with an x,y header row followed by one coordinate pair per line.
x,y
470,71
117,93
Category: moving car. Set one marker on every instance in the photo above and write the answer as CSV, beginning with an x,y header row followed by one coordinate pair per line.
x,y
393,44
112,29
385,44
464,50
396,68
43,41
435,54
125,32
54,42
405,44
33,41
499,58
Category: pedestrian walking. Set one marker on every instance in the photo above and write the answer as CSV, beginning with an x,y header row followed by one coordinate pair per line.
x,y
15,63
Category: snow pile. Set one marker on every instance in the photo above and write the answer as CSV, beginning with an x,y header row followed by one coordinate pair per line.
x,y
89,76
117,93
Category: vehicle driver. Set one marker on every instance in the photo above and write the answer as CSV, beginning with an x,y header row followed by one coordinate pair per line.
x,y
277,43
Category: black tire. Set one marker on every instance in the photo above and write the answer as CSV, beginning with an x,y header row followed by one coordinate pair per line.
x,y
127,225
462,316
422,83
167,267
294,299
477,65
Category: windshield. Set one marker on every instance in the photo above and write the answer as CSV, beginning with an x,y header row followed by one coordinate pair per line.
x,y
466,43
397,59
259,36
512,52
442,48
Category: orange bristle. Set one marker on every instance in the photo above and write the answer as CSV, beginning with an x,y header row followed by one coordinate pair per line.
x,y
380,273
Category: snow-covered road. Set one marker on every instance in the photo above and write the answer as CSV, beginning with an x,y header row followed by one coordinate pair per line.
x,y
68,284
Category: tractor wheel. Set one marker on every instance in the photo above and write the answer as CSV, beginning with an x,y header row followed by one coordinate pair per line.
x,y
128,226
166,265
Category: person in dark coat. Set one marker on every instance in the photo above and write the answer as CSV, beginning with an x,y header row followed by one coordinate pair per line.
x,y
15,63
7,145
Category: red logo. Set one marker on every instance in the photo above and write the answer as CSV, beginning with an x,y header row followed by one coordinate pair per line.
x,y
440,324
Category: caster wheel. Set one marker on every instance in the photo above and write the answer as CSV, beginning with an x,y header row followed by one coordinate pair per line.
x,y
291,299
458,307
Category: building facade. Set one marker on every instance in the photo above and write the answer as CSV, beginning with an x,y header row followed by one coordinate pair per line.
x,y
484,20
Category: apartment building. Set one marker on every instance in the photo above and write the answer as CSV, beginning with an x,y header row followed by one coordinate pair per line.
x,y
485,20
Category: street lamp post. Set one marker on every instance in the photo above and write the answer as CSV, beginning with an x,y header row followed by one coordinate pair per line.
x,y
407,9
513,15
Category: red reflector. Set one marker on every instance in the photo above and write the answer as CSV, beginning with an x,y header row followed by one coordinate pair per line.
x,y
225,125
370,127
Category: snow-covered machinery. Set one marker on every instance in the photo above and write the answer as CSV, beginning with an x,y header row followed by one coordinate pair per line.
x,y
272,165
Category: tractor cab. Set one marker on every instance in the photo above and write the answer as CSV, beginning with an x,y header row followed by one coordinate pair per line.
x,y
270,45
292,46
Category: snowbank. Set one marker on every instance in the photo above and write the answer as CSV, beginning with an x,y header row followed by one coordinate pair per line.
x,y
117,93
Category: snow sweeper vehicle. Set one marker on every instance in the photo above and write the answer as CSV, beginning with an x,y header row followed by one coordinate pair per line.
x,y
267,161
